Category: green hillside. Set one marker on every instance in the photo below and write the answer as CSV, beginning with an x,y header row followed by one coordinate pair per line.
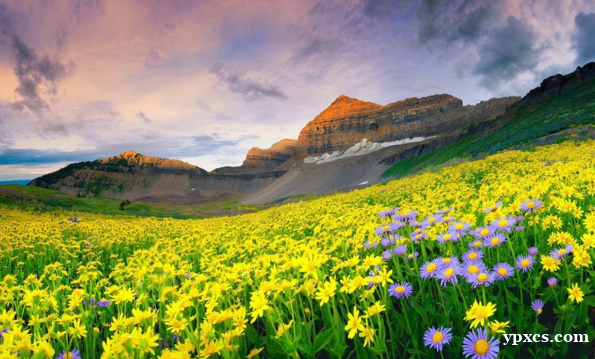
x,y
574,108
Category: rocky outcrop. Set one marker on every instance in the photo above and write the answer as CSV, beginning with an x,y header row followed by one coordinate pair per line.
x,y
348,121
262,160
557,84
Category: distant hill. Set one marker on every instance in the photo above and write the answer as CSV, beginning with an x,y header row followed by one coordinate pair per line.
x,y
22,182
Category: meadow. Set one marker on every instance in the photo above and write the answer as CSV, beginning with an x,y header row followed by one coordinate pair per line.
x,y
440,264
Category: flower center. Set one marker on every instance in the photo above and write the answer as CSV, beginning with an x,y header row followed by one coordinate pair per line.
x,y
525,263
502,271
539,310
431,267
472,255
495,241
530,204
502,223
445,260
477,244
472,269
482,277
449,272
446,236
484,232
561,251
482,346
385,228
431,220
438,337
400,289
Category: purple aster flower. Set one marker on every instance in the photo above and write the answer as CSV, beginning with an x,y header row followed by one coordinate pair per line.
x,y
473,255
444,261
412,256
433,219
387,255
519,228
436,338
533,251
524,263
561,252
459,227
418,236
482,278
531,205
400,290
537,306
483,232
385,230
429,270
502,271
445,210
504,224
491,208
445,237
410,216
552,282
400,250
103,303
495,240
74,354
5,330
449,273
471,268
477,346
519,219
476,244
370,244
384,214
385,242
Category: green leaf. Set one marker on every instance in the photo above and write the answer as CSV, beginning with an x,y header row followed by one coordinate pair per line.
x,y
590,300
322,339
252,335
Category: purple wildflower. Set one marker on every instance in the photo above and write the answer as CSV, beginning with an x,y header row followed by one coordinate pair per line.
x,y
436,338
537,306
502,271
533,251
429,270
531,205
412,256
400,250
387,255
524,263
473,255
400,290
449,273
552,282
482,278
471,268
477,346
74,354
504,224
495,240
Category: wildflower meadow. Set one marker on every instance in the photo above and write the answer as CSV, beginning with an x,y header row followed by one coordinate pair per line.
x,y
437,265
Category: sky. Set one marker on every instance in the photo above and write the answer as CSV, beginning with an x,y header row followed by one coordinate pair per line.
x,y
205,80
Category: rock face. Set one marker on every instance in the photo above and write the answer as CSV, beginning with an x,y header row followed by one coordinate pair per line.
x,y
262,160
348,121
557,84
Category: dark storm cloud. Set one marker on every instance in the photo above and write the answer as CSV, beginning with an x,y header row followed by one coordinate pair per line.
x,y
37,76
250,89
509,51
448,21
384,8
584,41
141,116
33,73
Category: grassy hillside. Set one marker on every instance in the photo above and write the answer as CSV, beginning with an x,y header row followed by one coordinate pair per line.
x,y
475,250
570,109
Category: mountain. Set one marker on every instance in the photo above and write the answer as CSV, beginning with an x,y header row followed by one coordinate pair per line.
x,y
352,143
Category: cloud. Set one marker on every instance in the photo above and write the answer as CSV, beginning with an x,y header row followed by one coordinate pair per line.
x,y
507,53
460,21
250,89
583,37
37,76
384,8
141,115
